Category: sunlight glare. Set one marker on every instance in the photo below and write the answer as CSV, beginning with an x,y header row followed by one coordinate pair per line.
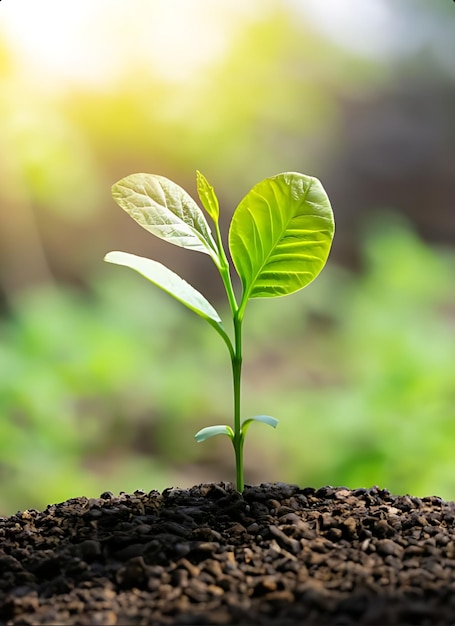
x,y
95,40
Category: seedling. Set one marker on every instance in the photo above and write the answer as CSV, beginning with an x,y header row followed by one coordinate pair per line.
x,y
279,240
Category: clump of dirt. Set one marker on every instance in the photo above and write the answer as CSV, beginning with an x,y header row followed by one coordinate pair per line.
x,y
274,555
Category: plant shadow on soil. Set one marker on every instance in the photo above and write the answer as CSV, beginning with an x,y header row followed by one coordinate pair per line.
x,y
276,554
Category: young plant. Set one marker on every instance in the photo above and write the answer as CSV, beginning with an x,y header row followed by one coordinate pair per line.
x,y
279,240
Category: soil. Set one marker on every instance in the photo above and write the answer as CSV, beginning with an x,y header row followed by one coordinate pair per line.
x,y
274,555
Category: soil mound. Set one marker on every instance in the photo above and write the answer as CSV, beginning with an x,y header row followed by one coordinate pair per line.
x,y
274,555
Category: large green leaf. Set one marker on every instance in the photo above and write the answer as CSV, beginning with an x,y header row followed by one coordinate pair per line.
x,y
170,282
165,209
280,235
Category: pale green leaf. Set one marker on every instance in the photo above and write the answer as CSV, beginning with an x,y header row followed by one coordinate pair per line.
x,y
165,209
208,197
170,282
212,431
280,235
265,419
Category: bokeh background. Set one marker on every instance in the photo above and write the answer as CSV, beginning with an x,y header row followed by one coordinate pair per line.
x,y
104,379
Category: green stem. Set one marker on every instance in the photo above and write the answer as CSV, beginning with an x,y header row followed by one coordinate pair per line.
x,y
225,275
220,330
224,271
237,377
236,359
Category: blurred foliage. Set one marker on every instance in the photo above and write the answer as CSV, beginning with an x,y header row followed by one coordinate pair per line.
x,y
106,391
103,381
390,418
236,121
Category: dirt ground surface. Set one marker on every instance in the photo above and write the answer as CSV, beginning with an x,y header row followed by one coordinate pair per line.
x,y
276,555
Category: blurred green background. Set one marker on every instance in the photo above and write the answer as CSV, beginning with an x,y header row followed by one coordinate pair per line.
x,y
103,379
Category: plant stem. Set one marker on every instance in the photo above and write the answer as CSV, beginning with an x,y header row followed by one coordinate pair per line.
x,y
237,377
226,277
225,271
236,359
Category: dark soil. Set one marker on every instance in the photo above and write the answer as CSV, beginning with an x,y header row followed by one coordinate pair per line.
x,y
276,555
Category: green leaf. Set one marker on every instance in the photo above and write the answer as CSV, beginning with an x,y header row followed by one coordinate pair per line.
x,y
170,282
165,209
280,235
212,431
208,197
265,419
